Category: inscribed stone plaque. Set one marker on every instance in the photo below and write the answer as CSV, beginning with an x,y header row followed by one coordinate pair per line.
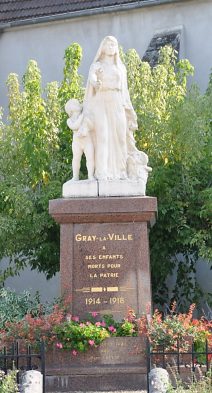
x,y
105,268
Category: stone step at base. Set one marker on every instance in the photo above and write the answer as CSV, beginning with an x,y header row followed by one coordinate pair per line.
x,y
99,382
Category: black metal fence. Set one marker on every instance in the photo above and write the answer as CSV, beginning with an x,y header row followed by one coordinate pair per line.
x,y
182,361
23,359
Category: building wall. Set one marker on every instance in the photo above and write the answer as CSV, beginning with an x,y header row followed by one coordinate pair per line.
x,y
133,28
33,281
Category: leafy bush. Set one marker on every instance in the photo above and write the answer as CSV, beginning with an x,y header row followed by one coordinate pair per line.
x,y
8,382
175,130
35,160
203,384
13,306
176,330
65,331
75,336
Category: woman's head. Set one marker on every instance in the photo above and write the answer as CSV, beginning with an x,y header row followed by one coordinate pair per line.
x,y
108,47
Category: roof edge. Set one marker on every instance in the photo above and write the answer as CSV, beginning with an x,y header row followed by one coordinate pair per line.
x,y
86,12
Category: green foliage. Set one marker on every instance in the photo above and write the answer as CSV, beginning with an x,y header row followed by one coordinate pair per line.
x,y
35,154
200,383
71,87
176,330
13,306
79,336
8,382
125,328
199,346
31,321
174,129
58,328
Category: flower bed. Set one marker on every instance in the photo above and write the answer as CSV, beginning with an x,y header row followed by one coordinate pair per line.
x,y
66,332
176,331
79,351
63,331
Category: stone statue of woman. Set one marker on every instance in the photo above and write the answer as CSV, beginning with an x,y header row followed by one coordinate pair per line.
x,y
117,161
108,99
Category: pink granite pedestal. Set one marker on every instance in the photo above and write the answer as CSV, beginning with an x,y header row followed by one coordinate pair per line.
x,y
104,264
104,253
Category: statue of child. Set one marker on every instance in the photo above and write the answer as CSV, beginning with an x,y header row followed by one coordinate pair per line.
x,y
81,125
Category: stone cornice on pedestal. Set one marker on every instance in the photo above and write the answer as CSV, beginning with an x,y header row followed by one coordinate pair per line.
x,y
103,210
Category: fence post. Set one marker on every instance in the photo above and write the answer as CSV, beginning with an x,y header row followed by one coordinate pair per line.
x,y
192,358
5,359
43,365
206,350
178,356
148,350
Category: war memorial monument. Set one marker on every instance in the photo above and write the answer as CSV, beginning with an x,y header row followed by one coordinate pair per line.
x,y
104,222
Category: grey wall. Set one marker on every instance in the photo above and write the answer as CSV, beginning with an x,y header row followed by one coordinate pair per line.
x,y
203,278
33,281
134,29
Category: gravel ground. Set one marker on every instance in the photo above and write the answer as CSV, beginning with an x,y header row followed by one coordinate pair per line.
x,y
113,391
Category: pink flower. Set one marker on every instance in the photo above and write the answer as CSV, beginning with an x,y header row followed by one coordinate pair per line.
x,y
111,329
59,345
82,324
91,342
98,324
103,324
75,319
74,352
88,323
94,314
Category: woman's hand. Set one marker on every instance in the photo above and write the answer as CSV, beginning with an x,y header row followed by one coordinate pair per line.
x,y
97,84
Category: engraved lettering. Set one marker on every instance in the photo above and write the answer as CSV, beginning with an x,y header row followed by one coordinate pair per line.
x,y
110,236
78,237
118,300
93,275
92,301
113,265
85,238
108,275
97,266
107,256
89,257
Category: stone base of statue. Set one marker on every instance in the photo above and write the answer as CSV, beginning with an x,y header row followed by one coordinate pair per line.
x,y
104,188
104,266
